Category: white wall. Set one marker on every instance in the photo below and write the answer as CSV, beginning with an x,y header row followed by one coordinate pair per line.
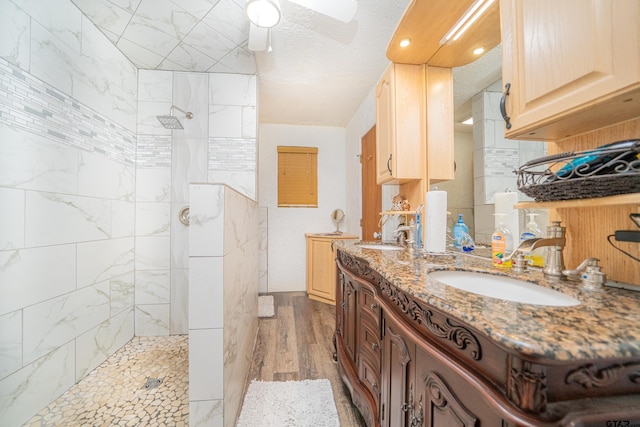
x,y
287,226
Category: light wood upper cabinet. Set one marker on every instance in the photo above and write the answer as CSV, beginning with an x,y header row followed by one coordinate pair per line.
x,y
573,65
414,124
399,123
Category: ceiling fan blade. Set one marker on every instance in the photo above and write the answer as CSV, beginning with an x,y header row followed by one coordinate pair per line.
x,y
257,38
342,10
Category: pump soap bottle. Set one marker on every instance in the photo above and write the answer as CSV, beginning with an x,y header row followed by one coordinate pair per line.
x,y
532,231
501,243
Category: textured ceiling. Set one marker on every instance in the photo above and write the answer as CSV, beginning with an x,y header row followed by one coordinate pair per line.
x,y
319,72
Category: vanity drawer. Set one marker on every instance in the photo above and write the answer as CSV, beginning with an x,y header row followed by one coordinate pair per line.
x,y
369,339
369,303
369,375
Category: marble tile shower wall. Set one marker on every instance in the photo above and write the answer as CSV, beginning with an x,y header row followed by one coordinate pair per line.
x,y
217,145
223,304
67,184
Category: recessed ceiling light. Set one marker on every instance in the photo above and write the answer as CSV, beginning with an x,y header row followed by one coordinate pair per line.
x,y
478,50
405,42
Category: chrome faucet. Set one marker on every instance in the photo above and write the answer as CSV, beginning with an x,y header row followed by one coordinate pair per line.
x,y
403,234
555,243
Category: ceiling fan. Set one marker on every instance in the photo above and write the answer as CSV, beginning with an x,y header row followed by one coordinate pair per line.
x,y
265,14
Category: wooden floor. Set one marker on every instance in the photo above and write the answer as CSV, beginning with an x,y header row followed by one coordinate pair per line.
x,y
297,344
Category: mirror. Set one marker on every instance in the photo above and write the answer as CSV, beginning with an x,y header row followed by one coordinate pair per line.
x,y
485,160
337,216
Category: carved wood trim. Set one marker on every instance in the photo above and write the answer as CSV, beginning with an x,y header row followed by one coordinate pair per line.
x,y
528,388
589,376
438,395
459,336
403,351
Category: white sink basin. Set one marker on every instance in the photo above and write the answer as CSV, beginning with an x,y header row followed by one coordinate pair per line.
x,y
504,288
382,247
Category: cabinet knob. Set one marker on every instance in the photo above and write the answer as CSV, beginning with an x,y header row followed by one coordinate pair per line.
x,y
373,307
374,345
374,386
503,105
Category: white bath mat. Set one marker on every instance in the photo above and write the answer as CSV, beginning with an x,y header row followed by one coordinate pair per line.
x,y
307,403
265,306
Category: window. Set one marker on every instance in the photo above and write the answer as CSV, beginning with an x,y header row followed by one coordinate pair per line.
x,y
298,177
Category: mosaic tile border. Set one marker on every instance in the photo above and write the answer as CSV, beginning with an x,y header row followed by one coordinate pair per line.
x,y
30,104
232,154
154,151
501,161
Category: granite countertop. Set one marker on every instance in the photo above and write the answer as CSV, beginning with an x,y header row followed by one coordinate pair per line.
x,y
605,325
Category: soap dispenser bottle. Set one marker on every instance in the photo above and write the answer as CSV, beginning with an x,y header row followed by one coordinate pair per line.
x,y
459,231
501,243
532,231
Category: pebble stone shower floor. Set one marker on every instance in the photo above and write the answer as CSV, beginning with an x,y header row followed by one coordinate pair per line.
x,y
114,394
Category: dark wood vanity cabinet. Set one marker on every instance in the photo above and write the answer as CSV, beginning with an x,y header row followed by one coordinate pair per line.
x,y
421,388
406,363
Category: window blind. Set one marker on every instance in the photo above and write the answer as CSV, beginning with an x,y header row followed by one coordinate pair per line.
x,y
297,176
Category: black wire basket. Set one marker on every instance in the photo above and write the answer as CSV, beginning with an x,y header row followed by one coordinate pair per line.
x,y
604,171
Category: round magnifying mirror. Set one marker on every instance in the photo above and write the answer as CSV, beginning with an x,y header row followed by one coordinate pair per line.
x,y
337,216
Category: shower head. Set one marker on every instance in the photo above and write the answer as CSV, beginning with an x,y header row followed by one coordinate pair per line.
x,y
171,121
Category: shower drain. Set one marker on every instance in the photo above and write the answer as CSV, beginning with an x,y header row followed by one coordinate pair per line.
x,y
152,383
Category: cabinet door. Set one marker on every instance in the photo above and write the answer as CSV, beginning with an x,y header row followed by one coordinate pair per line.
x,y
346,314
444,394
400,124
385,127
320,270
397,375
569,64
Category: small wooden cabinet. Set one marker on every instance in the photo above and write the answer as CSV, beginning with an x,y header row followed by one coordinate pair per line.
x,y
572,66
399,123
321,274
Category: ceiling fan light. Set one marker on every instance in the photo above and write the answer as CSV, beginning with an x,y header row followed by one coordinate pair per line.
x,y
263,13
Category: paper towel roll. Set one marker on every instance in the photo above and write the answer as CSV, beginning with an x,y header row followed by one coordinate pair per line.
x,y
504,204
435,223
